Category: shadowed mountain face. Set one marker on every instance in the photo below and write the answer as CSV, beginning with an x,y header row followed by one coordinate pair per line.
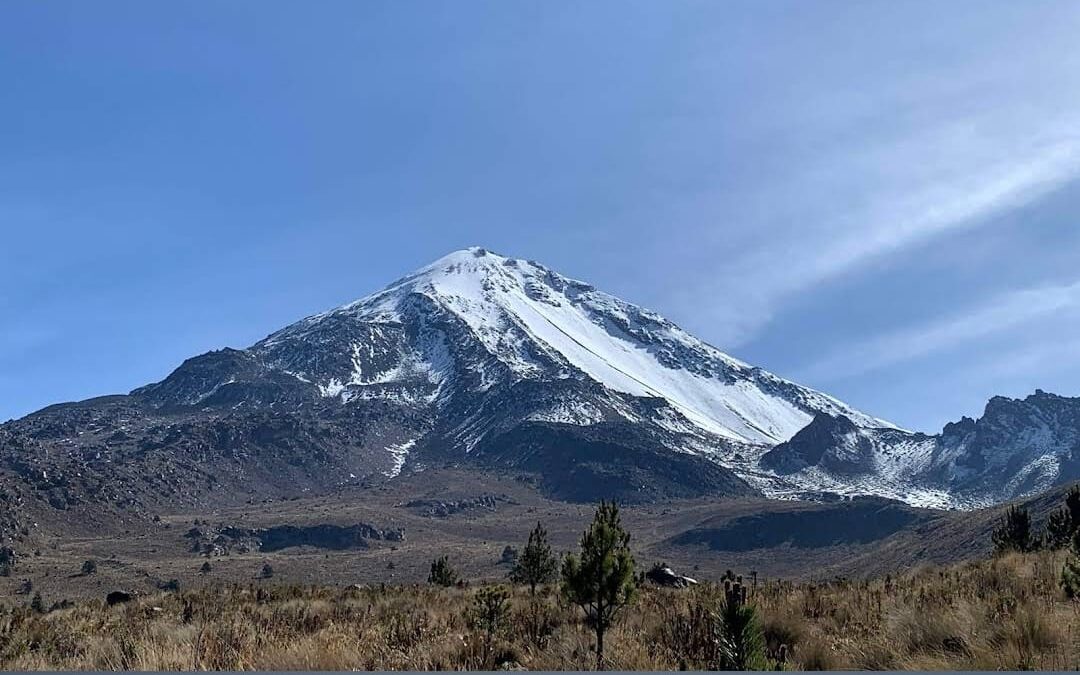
x,y
483,361
861,521
1016,448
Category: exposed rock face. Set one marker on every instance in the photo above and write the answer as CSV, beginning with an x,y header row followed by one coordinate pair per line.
x,y
1016,448
437,508
209,540
833,443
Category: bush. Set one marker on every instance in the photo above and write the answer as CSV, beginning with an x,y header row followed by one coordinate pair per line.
x,y
741,640
1059,528
7,560
88,567
1013,532
490,612
442,573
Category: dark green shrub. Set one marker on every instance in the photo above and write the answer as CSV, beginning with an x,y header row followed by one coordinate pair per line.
x,y
442,573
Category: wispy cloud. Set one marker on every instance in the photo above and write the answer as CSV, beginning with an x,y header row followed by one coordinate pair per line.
x,y
954,179
1005,312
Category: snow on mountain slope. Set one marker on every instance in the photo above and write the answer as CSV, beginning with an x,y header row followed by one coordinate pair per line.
x,y
1018,448
533,323
501,362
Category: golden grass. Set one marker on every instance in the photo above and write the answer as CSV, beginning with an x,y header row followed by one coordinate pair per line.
x,y
1006,613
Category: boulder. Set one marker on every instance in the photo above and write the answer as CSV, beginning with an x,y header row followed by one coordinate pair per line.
x,y
662,575
118,597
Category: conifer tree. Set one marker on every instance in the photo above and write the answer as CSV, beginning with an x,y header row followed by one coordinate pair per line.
x,y
601,579
536,564
1013,532
1059,529
442,573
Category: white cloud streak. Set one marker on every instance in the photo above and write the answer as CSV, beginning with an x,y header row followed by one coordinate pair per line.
x,y
978,178
1005,312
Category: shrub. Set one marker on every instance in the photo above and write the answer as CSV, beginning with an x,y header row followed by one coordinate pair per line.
x,y
7,560
1059,528
489,613
1013,532
442,573
741,641
88,567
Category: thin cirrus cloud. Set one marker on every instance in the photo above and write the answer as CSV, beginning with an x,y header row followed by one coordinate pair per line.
x,y
1005,312
964,178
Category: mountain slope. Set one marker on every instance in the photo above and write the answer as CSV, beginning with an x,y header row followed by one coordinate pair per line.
x,y
1017,448
500,364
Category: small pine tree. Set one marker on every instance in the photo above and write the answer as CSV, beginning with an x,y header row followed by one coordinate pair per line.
x,y
1070,573
537,564
1070,576
740,639
89,567
267,571
7,560
442,573
1013,532
601,579
490,614
1064,522
37,604
206,568
1072,503
1059,529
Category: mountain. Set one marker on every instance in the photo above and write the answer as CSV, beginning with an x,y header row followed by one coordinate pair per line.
x,y
1015,449
504,362
494,364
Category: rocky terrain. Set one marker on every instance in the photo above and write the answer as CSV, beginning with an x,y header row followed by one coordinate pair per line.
x,y
1016,448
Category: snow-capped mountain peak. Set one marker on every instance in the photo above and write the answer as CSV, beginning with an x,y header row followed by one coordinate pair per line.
x,y
534,324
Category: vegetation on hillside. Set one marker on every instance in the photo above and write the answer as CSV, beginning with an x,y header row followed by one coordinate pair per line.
x,y
1014,611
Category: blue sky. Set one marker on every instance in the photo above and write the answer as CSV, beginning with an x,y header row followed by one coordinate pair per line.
x,y
877,199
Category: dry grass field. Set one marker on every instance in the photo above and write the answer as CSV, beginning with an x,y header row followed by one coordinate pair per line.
x,y
845,585
1003,613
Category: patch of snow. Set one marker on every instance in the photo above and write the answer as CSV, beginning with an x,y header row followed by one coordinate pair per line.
x,y
398,453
